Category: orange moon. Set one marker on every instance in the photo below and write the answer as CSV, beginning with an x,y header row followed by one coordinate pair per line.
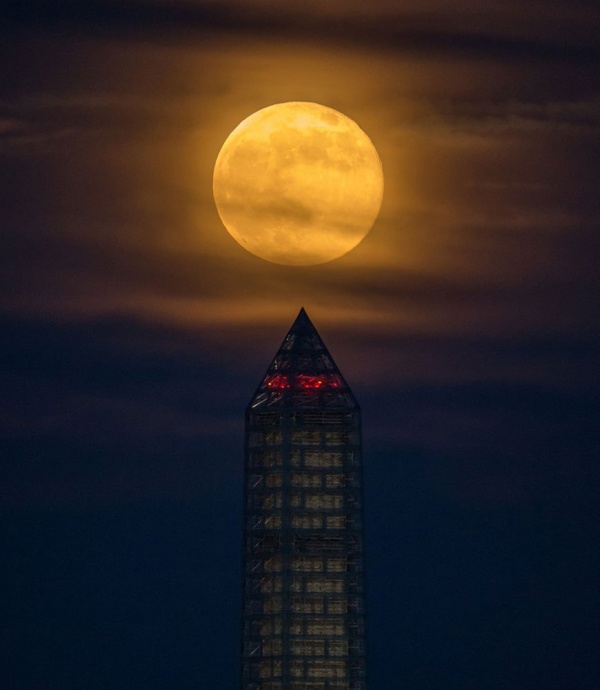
x,y
298,184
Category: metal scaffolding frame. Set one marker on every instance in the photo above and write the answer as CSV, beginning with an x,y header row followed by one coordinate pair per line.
x,y
303,622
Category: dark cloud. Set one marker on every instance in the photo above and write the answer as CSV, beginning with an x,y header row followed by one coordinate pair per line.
x,y
100,394
412,31
91,412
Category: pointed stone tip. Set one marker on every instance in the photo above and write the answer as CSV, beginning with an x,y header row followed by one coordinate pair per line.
x,y
303,373
302,318
302,325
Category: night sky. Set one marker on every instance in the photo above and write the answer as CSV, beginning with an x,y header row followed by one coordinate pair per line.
x,y
134,330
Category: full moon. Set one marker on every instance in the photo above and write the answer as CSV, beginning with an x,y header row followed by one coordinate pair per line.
x,y
298,184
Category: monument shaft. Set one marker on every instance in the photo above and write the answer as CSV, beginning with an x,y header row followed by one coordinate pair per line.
x,y
303,608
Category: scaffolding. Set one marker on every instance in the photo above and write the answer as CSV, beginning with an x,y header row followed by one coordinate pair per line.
x,y
303,606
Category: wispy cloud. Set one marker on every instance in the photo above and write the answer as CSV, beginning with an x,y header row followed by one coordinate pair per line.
x,y
412,30
24,134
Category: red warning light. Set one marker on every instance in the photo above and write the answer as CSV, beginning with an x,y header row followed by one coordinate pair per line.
x,y
307,382
278,382
310,382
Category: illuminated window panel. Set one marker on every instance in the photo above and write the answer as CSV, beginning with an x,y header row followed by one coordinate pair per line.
x,y
307,564
272,605
297,669
265,543
272,438
273,522
312,605
270,669
265,458
270,584
258,439
335,438
306,479
337,606
270,626
307,521
323,460
273,565
325,669
325,626
336,522
335,481
273,480
303,437
337,648
336,565
308,647
324,501
319,542
270,501
272,647
325,586
303,685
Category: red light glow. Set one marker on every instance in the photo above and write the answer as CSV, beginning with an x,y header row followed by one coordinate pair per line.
x,y
278,382
309,382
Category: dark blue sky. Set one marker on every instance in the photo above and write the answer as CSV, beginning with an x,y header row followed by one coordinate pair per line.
x,y
133,332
